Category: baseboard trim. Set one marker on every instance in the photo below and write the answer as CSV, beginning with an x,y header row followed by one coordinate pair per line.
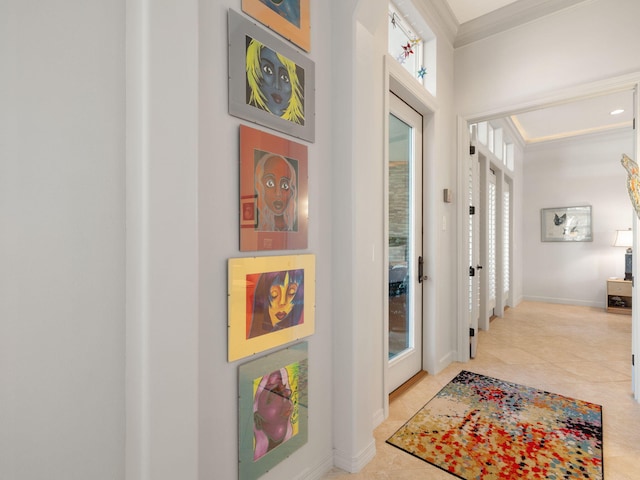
x,y
318,471
354,464
564,301
378,417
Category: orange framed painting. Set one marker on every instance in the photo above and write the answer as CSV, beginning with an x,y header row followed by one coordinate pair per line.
x,y
271,302
273,192
289,18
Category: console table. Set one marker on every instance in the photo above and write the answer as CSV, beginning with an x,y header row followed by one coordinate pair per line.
x,y
619,296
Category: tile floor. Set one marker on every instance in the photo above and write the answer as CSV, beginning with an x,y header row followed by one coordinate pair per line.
x,y
575,351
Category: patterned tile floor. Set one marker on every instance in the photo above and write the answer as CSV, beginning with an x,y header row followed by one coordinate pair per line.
x,y
579,352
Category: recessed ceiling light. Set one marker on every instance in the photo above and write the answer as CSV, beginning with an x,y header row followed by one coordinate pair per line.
x,y
617,112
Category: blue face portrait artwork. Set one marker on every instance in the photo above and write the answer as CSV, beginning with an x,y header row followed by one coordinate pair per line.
x,y
288,9
274,83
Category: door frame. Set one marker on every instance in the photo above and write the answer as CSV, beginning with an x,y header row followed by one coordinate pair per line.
x,y
492,171
403,85
610,85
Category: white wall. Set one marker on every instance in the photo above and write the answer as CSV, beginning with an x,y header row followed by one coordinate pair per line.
x,y
441,221
518,252
584,171
62,215
592,41
358,224
218,241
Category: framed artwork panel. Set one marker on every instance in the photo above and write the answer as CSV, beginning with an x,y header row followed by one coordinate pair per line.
x,y
273,192
270,83
271,302
566,224
289,18
272,409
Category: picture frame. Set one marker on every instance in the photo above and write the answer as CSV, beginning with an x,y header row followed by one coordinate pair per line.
x,y
270,83
272,409
289,18
274,194
271,302
566,224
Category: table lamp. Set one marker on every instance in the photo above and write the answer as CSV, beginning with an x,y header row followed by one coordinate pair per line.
x,y
624,238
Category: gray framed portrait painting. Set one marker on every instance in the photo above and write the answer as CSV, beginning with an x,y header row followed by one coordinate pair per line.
x,y
270,83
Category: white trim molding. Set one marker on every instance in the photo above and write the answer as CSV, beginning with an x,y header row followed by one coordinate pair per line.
x,y
507,17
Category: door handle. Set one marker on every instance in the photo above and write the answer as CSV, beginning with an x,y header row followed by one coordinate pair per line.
x,y
421,276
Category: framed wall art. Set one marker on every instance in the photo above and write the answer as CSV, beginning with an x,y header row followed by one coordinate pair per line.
x,y
273,192
271,302
289,18
272,409
566,224
270,83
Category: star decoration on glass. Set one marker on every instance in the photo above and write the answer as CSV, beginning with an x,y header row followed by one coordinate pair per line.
x,y
401,58
422,72
407,49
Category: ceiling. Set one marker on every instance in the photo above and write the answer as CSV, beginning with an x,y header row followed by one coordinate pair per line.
x,y
466,10
591,115
581,117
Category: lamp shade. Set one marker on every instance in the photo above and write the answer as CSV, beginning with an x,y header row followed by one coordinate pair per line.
x,y
624,238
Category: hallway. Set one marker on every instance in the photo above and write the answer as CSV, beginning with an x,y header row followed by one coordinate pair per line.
x,y
579,352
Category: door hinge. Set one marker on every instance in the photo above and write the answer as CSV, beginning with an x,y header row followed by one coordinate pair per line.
x,y
472,272
472,149
633,360
472,332
472,210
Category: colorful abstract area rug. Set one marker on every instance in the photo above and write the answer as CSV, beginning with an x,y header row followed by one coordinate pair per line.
x,y
478,427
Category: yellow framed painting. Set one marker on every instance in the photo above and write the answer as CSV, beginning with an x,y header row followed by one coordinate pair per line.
x,y
271,302
289,18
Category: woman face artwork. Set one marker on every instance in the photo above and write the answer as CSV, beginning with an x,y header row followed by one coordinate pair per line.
x,y
272,412
276,84
278,302
277,184
281,297
273,83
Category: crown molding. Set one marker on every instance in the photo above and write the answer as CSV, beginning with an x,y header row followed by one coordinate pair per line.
x,y
507,17
441,13
621,130
514,132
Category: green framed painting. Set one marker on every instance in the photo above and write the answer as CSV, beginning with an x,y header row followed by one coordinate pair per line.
x,y
272,409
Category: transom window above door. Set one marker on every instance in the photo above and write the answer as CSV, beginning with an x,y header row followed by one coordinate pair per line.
x,y
412,43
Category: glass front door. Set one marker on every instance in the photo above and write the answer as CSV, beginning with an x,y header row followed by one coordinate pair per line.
x,y
404,242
